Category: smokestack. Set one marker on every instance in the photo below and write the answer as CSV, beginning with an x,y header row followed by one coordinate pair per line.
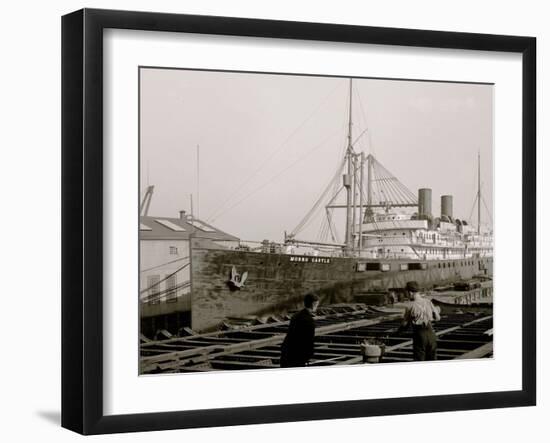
x,y
424,203
447,206
183,216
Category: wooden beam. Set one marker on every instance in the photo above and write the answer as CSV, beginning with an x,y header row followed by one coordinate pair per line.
x,y
181,358
254,328
409,342
480,352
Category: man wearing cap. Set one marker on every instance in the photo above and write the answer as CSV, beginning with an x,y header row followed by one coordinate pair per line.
x,y
297,347
420,315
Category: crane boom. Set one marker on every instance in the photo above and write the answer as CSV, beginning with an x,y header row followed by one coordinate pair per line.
x,y
146,202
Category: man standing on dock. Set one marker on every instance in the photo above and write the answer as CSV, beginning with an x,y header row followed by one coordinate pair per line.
x,y
297,347
420,315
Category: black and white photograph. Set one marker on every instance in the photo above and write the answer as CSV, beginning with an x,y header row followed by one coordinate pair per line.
x,y
290,221
275,221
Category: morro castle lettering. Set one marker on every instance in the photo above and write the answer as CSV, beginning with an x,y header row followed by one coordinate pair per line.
x,y
303,259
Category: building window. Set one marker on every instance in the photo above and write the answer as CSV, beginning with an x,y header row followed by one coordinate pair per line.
x,y
154,289
173,250
171,290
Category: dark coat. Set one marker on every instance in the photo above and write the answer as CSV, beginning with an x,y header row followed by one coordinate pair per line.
x,y
297,347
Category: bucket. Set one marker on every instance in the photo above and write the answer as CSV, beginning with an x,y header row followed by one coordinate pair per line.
x,y
371,353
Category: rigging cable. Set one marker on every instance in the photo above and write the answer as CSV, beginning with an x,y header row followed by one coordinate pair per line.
x,y
158,295
334,180
488,212
164,279
164,264
365,121
275,176
214,213
472,211
305,219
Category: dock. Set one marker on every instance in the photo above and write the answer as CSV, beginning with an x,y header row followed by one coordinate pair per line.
x,y
340,329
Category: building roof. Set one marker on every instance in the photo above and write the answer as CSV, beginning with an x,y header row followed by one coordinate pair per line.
x,y
167,228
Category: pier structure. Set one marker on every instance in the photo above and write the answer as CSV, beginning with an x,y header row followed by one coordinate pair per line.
x,y
341,330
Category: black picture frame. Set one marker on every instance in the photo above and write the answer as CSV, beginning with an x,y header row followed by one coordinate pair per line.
x,y
82,219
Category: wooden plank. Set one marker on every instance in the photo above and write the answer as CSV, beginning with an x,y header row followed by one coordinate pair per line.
x,y
332,317
409,342
181,358
262,364
338,328
480,352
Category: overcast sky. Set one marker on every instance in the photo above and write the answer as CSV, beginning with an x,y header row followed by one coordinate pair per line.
x,y
269,144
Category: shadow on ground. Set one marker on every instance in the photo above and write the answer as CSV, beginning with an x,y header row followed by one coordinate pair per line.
x,y
54,417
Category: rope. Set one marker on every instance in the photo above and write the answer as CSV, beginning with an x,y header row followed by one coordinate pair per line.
x,y
164,264
164,279
214,215
158,295
255,191
316,205
365,120
472,211
488,212
333,231
407,196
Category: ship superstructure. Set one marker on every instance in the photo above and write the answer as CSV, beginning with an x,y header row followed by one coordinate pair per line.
x,y
385,220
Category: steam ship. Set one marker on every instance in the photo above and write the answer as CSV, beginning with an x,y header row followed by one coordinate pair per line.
x,y
391,237
386,231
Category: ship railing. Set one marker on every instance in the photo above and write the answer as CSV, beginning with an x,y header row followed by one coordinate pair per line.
x,y
295,247
264,246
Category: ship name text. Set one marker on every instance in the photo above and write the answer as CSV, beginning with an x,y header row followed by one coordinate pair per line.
x,y
302,259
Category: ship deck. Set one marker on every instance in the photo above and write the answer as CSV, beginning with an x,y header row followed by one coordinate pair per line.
x,y
340,330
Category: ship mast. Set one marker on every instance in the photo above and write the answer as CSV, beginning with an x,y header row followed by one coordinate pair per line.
x,y
361,178
359,207
368,214
478,193
198,181
347,180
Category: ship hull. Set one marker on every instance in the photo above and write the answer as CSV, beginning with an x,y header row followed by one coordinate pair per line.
x,y
277,283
